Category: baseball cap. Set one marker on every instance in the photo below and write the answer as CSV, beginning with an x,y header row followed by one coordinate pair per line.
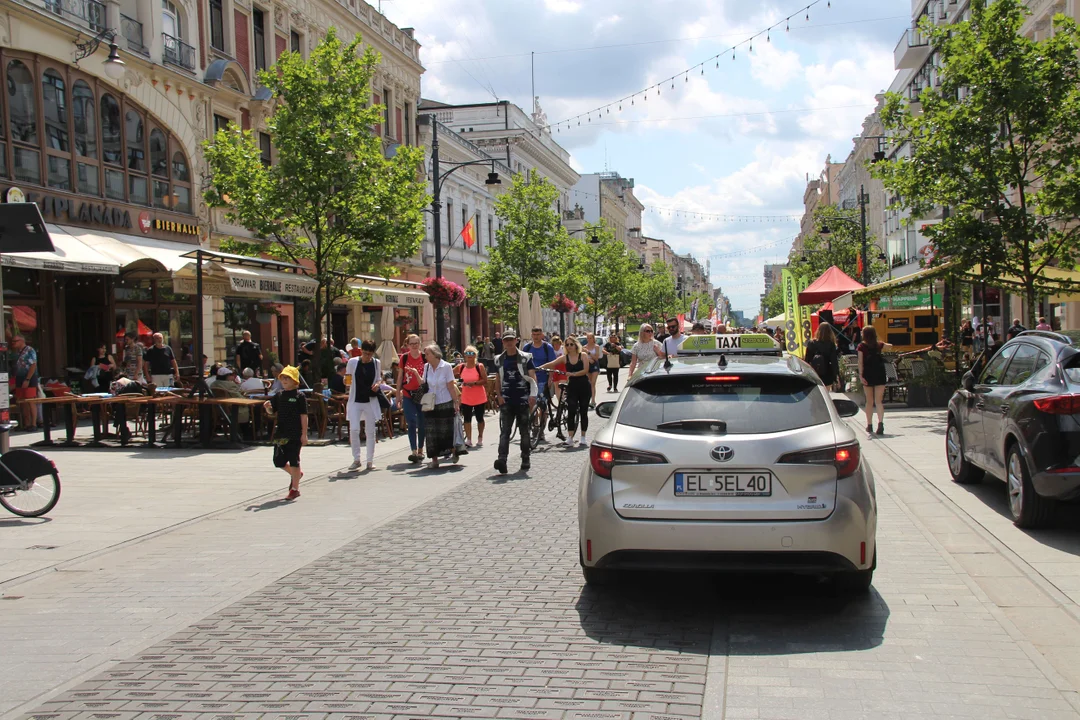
x,y
292,372
509,335
224,372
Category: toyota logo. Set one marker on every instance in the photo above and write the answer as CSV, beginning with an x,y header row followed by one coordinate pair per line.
x,y
722,453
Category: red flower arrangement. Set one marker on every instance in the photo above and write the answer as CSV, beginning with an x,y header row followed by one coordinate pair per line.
x,y
563,304
443,292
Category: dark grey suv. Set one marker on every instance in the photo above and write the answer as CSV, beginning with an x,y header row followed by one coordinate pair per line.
x,y
1017,417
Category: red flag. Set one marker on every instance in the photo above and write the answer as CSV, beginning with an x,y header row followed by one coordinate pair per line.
x,y
468,234
858,265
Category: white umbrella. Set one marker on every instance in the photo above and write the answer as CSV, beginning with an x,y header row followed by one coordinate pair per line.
x,y
427,324
776,321
524,313
387,350
537,311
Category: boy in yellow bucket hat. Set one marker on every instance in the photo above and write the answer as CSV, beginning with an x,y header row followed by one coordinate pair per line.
x,y
290,409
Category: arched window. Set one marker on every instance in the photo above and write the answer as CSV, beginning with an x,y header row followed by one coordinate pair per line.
x,y
136,143
22,115
159,164
181,183
84,125
179,165
111,147
171,20
54,100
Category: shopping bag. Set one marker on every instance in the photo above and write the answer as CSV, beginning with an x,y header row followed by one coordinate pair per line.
x,y
459,432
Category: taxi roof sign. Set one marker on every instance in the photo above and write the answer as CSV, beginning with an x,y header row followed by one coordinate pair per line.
x,y
746,342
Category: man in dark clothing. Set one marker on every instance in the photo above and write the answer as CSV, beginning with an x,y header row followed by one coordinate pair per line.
x,y
337,380
516,390
248,354
1015,330
160,363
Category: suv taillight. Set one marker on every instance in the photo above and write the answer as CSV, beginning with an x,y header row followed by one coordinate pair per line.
x,y
604,458
845,458
1059,404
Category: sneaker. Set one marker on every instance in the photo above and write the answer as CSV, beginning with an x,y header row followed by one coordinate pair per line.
x,y
525,464
417,457
293,494
500,465
584,442
881,428
355,465
576,441
468,443
569,442
479,444
370,466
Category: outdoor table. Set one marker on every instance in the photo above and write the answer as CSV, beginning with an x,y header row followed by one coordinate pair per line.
x,y
47,416
234,404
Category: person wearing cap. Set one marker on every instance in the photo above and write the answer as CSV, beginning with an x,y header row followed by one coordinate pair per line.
x,y
225,384
516,389
290,434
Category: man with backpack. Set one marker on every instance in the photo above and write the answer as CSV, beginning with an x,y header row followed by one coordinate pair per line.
x,y
516,392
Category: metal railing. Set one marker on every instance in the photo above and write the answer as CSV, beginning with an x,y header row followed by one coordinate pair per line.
x,y
178,53
89,13
131,29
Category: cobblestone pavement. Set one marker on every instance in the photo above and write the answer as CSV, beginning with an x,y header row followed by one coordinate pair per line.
x,y
472,605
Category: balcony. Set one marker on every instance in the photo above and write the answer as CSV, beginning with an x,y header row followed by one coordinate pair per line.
x,y
177,52
131,29
87,13
912,50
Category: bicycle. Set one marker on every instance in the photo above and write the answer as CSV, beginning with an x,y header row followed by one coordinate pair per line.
x,y
29,483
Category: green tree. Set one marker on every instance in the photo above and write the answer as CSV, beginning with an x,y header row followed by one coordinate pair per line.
x,y
654,294
599,274
530,244
772,304
332,202
842,247
997,141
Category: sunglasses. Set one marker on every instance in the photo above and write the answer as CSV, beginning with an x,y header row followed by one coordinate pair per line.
x,y
646,331
470,354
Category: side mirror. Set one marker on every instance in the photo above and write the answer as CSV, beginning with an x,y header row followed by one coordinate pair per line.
x,y
605,409
845,407
968,381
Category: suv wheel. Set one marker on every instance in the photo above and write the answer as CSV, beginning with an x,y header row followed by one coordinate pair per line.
x,y
597,577
963,472
1028,509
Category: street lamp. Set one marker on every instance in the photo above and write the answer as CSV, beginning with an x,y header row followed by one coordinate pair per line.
x,y
114,66
437,179
825,232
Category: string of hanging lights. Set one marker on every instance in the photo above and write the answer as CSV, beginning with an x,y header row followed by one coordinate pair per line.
x,y
684,214
643,95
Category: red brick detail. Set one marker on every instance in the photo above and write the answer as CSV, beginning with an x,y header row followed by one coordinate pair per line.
x,y
281,45
397,125
243,45
202,38
245,119
376,100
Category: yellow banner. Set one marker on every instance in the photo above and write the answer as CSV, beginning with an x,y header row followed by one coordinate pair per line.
x,y
797,319
804,318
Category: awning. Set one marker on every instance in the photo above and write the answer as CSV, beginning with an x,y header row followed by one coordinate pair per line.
x,y
889,287
133,253
832,283
221,280
398,297
70,255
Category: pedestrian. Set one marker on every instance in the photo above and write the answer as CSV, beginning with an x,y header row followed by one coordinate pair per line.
x,y
980,335
290,433
645,349
354,348
251,385
159,363
593,352
967,335
674,338
106,365
1043,325
439,421
487,354
248,354
133,358
578,390
613,362
363,376
275,372
1014,330
542,352
410,372
26,380
872,374
556,343
473,377
823,356
516,393
336,382
699,329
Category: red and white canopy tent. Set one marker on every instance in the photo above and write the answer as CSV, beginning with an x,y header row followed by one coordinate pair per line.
x,y
833,283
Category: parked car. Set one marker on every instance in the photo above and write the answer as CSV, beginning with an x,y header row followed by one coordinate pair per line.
x,y
1017,418
739,461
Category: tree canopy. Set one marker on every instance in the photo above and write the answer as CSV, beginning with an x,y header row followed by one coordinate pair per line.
x,y
842,247
996,140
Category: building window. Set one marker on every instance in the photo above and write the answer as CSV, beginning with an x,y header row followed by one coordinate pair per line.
x,y
408,125
264,149
217,25
82,109
22,117
159,153
259,31
479,238
220,123
387,104
170,17
491,235
294,41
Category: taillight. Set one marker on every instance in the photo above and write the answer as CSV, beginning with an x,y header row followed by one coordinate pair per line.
x,y
1059,404
603,458
845,458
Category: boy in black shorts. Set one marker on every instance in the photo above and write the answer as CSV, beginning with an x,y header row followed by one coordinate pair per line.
x,y
290,408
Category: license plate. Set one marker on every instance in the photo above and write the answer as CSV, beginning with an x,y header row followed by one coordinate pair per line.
x,y
737,484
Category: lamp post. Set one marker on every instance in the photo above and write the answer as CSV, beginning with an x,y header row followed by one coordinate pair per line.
x,y
437,179
594,239
825,232
114,66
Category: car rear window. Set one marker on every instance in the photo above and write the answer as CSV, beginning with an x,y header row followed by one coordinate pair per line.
x,y
745,404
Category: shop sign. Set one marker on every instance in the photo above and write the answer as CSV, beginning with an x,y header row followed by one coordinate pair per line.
x,y
247,285
903,302
376,296
211,286
86,213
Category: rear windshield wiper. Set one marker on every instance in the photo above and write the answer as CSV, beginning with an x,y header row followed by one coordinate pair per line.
x,y
707,427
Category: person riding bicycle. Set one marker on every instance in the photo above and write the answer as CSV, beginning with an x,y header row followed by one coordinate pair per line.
x,y
516,390
542,352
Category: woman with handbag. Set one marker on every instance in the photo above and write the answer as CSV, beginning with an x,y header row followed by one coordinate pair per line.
x,y
473,376
440,405
410,373
363,376
612,362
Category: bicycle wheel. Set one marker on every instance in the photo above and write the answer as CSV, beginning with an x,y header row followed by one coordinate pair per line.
x,y
43,491
536,427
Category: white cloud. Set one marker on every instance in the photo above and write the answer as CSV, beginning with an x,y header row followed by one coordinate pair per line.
x,y
562,6
774,68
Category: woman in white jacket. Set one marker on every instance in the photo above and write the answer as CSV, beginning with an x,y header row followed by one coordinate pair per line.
x,y
363,375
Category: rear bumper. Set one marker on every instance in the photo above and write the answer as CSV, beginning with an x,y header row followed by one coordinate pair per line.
x,y
1058,486
833,544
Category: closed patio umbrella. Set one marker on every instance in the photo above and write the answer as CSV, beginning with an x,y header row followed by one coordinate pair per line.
x,y
537,312
524,313
387,350
427,324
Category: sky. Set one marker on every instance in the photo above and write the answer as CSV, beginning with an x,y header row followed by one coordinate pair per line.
x,y
738,139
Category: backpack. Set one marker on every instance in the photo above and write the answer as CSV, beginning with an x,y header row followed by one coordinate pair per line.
x,y
822,366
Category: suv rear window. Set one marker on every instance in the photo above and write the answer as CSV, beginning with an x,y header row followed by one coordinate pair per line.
x,y
745,404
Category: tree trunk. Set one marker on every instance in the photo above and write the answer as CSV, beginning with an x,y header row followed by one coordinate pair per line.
x,y
1029,294
316,359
